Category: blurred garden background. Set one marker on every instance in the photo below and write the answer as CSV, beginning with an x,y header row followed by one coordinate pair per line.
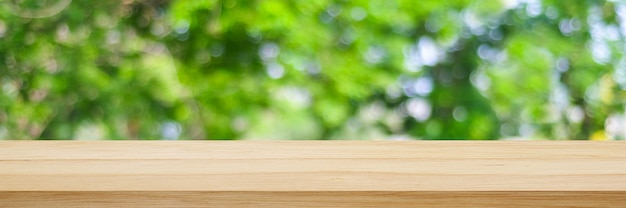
x,y
322,69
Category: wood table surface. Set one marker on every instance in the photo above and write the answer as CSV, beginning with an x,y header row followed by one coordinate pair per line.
x,y
312,174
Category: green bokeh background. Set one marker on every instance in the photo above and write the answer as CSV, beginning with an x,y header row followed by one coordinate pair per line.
x,y
323,69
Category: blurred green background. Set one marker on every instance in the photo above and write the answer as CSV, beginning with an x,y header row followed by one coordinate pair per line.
x,y
323,69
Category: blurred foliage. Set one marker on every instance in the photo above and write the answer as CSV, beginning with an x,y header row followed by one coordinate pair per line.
x,y
325,69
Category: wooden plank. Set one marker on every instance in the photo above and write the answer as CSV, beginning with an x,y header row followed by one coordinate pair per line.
x,y
28,150
313,199
312,174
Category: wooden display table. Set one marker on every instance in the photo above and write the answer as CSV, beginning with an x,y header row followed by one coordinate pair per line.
x,y
312,174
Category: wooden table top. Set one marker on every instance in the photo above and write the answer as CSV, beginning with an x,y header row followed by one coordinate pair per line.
x,y
312,173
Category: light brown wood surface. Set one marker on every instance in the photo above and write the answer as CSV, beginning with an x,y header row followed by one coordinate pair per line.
x,y
312,174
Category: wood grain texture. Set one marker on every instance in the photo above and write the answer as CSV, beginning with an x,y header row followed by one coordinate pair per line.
x,y
312,174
